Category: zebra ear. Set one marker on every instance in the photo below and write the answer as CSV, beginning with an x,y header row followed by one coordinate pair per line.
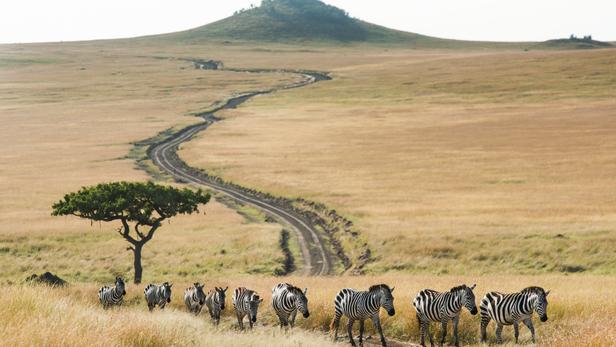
x,y
547,293
392,289
225,289
473,286
170,284
305,291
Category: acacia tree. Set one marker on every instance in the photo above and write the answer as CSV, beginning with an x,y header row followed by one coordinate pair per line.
x,y
144,205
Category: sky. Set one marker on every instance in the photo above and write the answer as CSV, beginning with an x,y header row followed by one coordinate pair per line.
x,y
492,20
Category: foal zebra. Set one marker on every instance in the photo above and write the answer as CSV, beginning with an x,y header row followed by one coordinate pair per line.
x,y
360,306
246,303
157,295
287,300
194,298
215,302
508,309
434,306
112,296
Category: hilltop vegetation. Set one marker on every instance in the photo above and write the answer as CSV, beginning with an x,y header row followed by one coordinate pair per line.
x,y
298,20
574,42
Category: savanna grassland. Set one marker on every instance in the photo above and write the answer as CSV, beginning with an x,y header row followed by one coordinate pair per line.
x,y
70,113
490,167
448,162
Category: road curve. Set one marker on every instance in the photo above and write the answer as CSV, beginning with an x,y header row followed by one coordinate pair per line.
x,y
317,259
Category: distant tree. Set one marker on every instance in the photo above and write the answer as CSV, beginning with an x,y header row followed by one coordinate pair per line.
x,y
145,205
572,37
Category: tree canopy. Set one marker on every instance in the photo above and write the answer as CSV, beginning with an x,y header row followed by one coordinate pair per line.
x,y
145,205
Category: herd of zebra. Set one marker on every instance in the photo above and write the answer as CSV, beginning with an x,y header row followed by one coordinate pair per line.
x,y
288,300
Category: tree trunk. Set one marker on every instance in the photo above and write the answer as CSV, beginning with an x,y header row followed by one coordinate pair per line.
x,y
137,262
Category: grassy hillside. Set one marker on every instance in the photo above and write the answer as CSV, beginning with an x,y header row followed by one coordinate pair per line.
x,y
307,20
574,43
293,21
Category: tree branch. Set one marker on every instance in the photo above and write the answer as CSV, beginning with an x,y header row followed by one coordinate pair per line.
x,y
130,248
139,232
125,234
151,232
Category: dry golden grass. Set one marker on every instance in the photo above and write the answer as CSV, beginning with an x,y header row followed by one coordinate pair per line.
x,y
470,163
73,316
35,316
448,162
69,114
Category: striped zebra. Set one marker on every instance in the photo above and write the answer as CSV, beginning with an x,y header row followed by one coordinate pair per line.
x,y
157,295
508,309
287,300
112,296
215,302
360,306
246,303
433,306
194,298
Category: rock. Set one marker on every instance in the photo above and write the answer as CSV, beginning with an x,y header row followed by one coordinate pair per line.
x,y
47,278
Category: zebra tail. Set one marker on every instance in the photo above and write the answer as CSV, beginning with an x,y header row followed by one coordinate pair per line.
x,y
334,322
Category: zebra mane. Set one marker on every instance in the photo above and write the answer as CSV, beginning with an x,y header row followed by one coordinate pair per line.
x,y
379,287
293,289
535,290
455,289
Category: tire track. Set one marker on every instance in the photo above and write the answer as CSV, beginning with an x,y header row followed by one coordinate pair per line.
x,y
317,259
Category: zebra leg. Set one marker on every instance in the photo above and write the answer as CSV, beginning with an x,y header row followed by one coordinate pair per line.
x,y
361,333
484,325
422,331
456,320
429,333
516,331
350,331
240,321
377,323
444,331
529,323
293,315
336,324
499,333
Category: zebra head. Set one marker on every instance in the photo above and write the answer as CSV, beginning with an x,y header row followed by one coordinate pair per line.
x,y
119,285
221,296
386,300
467,297
301,301
253,305
166,292
200,295
540,299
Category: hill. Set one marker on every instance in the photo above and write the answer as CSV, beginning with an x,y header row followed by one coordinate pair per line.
x,y
298,21
575,43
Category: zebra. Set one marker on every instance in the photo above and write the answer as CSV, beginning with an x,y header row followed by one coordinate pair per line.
x,y
246,303
508,309
112,296
194,298
157,295
361,305
287,300
215,302
434,306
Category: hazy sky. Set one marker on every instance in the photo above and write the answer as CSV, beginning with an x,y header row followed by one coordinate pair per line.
x,y
501,20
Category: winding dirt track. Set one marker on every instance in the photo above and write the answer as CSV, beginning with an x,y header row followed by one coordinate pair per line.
x,y
317,259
